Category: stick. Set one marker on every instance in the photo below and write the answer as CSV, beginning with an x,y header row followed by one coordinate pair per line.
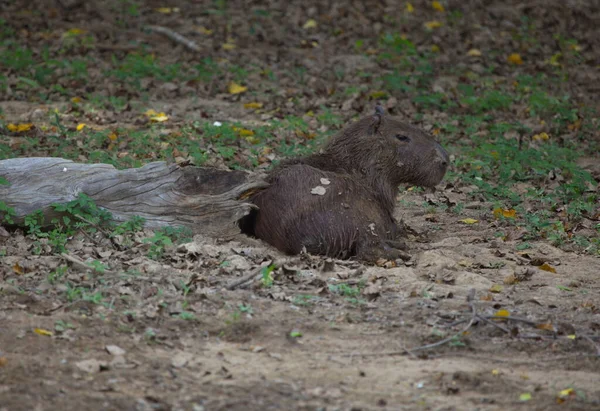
x,y
235,284
176,37
83,264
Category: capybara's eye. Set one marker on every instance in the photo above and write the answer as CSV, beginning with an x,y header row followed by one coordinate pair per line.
x,y
403,138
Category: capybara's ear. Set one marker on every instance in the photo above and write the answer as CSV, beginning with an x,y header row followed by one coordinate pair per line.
x,y
377,118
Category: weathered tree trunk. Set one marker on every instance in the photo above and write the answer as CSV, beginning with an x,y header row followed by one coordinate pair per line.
x,y
206,200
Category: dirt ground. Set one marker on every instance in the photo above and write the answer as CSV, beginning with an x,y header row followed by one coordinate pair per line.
x,y
168,334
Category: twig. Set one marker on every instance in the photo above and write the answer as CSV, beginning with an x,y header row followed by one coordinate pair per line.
x,y
176,37
235,284
470,298
85,265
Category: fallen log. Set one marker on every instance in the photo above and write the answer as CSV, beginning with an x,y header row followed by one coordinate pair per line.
x,y
207,200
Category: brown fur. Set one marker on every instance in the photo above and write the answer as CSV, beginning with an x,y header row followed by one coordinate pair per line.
x,y
364,164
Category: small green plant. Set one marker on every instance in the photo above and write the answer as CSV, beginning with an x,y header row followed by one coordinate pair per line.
x,y
267,275
166,238
56,275
344,290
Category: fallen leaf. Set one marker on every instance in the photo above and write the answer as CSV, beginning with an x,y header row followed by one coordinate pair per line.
x,y
80,126
437,6
18,269
19,127
433,24
496,288
378,94
435,48
474,53
571,336
167,10
502,313
506,213
409,8
318,190
76,100
74,32
566,393
495,372
515,58
204,30
253,105
3,361
547,267
545,326
244,132
112,136
469,221
229,45
310,24
541,137
235,88
41,331
159,118
525,396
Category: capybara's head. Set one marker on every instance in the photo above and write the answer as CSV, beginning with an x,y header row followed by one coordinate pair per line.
x,y
383,146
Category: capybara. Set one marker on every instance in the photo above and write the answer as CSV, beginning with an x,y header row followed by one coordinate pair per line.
x,y
340,202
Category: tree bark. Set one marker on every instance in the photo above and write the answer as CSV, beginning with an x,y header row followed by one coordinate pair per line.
x,y
209,201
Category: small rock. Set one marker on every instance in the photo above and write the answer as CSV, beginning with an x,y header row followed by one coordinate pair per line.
x,y
90,366
115,350
447,242
434,259
181,359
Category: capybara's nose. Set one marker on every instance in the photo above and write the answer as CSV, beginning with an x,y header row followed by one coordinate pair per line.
x,y
443,155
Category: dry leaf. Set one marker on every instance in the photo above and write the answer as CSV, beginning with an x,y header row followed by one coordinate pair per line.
x,y
204,30
253,105
502,212
159,118
310,24
112,136
515,58
502,313
496,288
437,6
541,137
244,132
18,269
433,24
19,127
435,48
469,221
41,331
74,32
229,45
474,53
409,8
378,94
167,10
235,88
76,100
547,267
545,326
525,396
80,126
